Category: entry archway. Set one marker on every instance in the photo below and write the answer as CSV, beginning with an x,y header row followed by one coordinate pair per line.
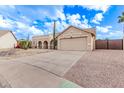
x,y
39,44
51,44
45,45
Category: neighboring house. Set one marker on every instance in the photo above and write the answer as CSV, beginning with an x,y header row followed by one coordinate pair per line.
x,y
7,39
72,38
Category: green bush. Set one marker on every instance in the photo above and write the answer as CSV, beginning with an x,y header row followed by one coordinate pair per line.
x,y
25,44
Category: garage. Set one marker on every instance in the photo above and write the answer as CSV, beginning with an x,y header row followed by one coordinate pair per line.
x,y
74,43
74,38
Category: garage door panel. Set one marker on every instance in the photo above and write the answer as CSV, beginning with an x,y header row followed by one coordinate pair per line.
x,y
73,44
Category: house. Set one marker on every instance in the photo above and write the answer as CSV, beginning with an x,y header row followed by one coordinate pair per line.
x,y
43,41
72,38
7,39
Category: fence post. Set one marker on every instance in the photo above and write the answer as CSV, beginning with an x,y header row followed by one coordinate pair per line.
x,y
123,43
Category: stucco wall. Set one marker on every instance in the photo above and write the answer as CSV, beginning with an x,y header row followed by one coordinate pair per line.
x,y
70,32
73,32
42,39
123,42
7,41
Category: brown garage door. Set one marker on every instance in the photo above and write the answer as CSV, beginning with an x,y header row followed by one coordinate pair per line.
x,y
109,44
73,44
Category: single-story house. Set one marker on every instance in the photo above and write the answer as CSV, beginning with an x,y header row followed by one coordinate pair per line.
x,y
72,38
7,39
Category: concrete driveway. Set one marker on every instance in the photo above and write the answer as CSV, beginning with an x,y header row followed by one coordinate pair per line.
x,y
41,70
18,75
56,62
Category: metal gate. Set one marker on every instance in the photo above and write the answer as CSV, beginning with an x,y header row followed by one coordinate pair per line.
x,y
109,44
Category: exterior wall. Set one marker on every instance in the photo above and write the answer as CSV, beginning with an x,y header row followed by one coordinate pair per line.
x,y
123,42
73,32
7,41
93,42
42,39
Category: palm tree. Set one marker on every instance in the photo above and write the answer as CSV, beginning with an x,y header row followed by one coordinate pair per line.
x,y
121,20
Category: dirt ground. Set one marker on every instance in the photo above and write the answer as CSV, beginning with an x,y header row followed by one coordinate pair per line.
x,y
6,54
100,68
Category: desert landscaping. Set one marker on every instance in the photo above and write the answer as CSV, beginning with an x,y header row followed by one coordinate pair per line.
x,y
62,47
6,54
99,68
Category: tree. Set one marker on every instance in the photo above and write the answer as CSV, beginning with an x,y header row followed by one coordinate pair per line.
x,y
121,20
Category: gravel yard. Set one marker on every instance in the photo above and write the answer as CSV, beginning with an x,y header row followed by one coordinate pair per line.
x,y
100,68
6,54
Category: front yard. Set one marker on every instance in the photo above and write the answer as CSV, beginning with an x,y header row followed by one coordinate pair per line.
x,y
100,68
36,67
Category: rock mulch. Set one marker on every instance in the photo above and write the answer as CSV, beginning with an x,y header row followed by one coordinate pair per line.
x,y
15,53
100,68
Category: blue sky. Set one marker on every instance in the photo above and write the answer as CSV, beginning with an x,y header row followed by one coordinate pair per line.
x,y
38,20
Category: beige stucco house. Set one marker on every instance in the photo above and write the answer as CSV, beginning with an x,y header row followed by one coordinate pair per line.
x,y
72,38
7,39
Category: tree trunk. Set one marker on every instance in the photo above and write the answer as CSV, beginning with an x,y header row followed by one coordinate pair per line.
x,y
54,35
123,36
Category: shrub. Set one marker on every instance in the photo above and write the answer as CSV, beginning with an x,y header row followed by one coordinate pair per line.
x,y
24,44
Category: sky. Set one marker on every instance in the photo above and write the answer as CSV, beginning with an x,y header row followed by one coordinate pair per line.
x,y
30,20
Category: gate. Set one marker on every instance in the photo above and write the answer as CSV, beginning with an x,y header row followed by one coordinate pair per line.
x,y
109,44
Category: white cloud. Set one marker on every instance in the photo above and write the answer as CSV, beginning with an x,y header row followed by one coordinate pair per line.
x,y
103,29
60,26
28,29
116,33
61,15
74,19
35,31
18,28
85,22
112,34
20,25
103,8
78,21
5,23
97,18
